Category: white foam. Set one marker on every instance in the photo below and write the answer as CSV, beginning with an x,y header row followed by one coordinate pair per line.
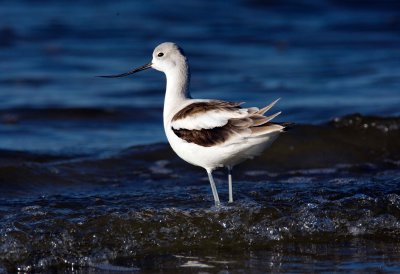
x,y
196,264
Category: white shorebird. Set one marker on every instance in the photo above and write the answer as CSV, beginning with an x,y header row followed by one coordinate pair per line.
x,y
208,133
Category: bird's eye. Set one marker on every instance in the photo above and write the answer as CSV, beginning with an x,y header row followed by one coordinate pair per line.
x,y
160,54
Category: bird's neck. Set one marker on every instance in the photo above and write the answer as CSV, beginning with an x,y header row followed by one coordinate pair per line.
x,y
177,91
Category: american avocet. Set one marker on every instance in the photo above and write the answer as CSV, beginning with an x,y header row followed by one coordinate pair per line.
x,y
208,133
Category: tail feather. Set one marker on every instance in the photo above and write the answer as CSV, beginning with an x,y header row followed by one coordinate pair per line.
x,y
261,125
265,109
287,126
269,118
266,129
258,120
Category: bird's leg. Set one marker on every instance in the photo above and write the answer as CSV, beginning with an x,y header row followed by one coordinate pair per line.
x,y
213,188
230,184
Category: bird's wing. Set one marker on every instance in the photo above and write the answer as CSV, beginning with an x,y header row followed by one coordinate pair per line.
x,y
208,123
207,115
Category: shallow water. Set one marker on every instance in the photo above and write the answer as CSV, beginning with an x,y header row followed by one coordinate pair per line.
x,y
89,184
144,209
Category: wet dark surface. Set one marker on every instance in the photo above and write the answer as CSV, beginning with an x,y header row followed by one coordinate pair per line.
x,y
143,208
89,184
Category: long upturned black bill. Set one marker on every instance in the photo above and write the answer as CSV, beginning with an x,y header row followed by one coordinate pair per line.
x,y
147,66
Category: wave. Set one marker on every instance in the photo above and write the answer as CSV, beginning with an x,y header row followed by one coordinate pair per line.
x,y
346,141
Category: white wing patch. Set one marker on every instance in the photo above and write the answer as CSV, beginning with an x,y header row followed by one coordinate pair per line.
x,y
209,119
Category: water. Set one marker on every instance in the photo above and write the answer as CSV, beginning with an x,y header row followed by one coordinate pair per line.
x,y
89,184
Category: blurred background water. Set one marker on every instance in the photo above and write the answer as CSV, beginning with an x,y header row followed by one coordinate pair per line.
x,y
323,58
86,174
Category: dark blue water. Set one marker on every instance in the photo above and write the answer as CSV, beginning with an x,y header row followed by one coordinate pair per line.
x,y
88,182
